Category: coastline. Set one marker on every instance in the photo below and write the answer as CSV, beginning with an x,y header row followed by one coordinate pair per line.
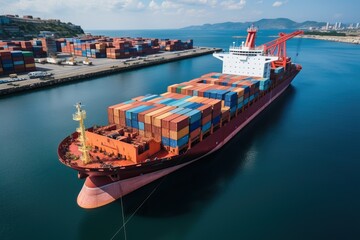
x,y
343,39
101,66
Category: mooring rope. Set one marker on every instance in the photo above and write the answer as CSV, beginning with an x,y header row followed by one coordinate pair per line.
x,y
123,216
137,209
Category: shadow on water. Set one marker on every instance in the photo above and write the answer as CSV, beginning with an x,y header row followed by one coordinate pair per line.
x,y
197,183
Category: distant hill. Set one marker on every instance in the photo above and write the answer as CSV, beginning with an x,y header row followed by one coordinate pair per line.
x,y
27,27
277,23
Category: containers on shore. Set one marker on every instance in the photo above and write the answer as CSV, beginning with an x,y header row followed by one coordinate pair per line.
x,y
16,61
116,48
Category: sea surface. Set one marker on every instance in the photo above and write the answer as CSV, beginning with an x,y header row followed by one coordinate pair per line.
x,y
292,173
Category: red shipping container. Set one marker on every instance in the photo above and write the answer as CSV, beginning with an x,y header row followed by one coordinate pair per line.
x,y
179,123
165,123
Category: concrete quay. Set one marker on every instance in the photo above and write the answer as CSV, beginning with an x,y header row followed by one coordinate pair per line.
x,y
100,67
344,39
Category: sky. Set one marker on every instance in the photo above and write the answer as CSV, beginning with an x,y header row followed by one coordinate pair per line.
x,y
172,14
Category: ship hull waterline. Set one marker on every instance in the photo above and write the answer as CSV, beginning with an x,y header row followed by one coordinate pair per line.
x,y
98,191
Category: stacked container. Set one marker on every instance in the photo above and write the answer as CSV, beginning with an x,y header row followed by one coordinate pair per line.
x,y
29,61
6,61
1,67
18,61
189,111
175,45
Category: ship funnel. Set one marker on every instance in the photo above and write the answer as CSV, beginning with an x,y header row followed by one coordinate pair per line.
x,y
250,39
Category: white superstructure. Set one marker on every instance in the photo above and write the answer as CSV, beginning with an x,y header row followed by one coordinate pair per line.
x,y
246,59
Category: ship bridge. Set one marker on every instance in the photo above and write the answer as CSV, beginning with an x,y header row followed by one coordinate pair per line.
x,y
246,59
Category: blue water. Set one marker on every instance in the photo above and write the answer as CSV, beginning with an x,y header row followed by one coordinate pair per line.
x,y
292,173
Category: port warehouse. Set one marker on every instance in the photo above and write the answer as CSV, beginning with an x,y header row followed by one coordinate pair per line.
x,y
176,120
18,56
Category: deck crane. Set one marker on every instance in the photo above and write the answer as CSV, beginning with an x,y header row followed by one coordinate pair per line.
x,y
277,47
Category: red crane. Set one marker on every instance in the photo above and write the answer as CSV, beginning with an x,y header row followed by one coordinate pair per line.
x,y
277,47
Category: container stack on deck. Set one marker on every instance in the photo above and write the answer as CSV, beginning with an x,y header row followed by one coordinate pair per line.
x,y
189,111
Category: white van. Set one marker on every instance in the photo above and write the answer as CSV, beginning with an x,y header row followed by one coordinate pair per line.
x,y
38,74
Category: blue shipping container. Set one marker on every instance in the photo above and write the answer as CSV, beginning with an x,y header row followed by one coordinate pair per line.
x,y
216,120
193,115
165,141
194,125
206,126
179,143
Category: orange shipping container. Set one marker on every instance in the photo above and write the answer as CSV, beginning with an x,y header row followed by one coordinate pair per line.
x,y
195,133
176,135
157,120
165,132
141,115
206,119
149,117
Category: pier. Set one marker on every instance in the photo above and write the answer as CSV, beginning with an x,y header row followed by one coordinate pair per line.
x,y
101,66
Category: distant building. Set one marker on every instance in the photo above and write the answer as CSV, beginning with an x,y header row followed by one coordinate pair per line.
x,y
46,34
11,29
4,20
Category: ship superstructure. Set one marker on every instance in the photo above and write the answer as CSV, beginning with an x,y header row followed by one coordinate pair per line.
x,y
245,59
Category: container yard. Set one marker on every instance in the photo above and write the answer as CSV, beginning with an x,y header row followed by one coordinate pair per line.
x,y
104,54
99,66
95,47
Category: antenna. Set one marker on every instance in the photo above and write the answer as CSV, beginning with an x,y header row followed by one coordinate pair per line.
x,y
80,116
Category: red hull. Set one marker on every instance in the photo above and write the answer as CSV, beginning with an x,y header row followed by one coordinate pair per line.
x,y
99,189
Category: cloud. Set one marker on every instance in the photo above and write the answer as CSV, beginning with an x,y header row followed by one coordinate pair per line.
x,y
277,4
233,5
130,5
70,6
199,2
153,5
170,5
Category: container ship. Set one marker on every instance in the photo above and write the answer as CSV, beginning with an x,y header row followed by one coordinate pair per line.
x,y
151,136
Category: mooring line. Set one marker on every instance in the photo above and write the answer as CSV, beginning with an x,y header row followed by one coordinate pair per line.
x,y
137,209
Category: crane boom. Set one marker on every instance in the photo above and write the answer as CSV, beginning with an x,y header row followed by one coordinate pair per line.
x,y
277,47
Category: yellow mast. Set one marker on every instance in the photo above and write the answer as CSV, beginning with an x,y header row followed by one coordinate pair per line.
x,y
80,116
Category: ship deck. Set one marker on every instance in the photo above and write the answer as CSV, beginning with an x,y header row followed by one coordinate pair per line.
x,y
101,159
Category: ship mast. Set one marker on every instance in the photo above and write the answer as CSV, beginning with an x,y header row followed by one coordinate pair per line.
x,y
80,116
